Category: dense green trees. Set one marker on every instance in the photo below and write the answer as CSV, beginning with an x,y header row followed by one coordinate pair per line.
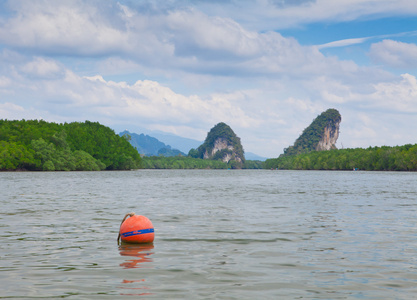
x,y
15,156
40,145
181,162
399,158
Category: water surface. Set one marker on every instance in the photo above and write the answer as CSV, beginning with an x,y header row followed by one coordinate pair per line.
x,y
219,234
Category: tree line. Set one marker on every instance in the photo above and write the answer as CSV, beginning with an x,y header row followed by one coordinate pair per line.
x,y
187,162
385,158
398,158
37,145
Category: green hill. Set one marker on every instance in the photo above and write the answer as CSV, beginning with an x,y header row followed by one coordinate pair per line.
x,y
320,135
39,145
222,144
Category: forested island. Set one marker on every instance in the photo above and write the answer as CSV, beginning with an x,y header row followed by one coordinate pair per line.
x,y
221,144
315,150
43,146
320,135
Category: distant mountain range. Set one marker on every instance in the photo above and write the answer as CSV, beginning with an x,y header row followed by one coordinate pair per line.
x,y
169,145
151,146
253,156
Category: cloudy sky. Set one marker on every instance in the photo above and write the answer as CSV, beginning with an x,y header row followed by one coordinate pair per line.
x,y
267,68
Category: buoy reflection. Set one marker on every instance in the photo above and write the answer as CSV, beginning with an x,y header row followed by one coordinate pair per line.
x,y
134,289
141,252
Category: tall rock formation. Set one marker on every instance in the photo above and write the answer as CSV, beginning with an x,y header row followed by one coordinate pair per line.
x,y
329,137
322,134
222,144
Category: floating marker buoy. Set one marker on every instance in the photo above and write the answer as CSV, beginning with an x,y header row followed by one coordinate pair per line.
x,y
136,229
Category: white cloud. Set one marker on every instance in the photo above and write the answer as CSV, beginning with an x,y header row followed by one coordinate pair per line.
x,y
197,32
118,66
69,28
42,68
394,54
345,10
10,107
399,96
146,102
179,40
276,14
11,111
343,43
4,81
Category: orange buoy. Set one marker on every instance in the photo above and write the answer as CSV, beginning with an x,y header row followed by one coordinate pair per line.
x,y
136,229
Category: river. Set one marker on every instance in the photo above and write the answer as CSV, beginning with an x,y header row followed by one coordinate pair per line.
x,y
219,234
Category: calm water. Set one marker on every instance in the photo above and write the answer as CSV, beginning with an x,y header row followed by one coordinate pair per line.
x,y
247,234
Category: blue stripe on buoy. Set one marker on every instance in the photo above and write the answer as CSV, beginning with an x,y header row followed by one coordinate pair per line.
x,y
137,232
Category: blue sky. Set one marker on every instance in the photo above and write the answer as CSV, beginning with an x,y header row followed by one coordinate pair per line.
x,y
267,68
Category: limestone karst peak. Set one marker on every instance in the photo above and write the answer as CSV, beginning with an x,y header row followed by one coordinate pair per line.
x,y
222,144
321,134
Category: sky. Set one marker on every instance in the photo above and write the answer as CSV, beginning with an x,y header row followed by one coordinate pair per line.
x,y
267,68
